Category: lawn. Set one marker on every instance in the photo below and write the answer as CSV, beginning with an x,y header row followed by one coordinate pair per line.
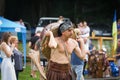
x,y
25,75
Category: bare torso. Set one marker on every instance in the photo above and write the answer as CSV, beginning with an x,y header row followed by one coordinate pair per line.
x,y
58,54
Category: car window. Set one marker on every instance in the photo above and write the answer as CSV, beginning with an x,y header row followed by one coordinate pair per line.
x,y
43,23
101,29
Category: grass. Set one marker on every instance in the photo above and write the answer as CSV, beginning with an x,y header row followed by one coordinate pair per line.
x,y
25,75
20,47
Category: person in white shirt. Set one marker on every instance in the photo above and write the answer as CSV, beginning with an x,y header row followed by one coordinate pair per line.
x,y
85,33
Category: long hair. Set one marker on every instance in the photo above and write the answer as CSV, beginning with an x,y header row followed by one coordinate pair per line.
x,y
12,39
5,36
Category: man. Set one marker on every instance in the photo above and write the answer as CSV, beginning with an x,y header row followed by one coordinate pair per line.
x,y
59,64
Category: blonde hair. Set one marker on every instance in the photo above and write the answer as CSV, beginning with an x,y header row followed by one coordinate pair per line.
x,y
76,33
13,39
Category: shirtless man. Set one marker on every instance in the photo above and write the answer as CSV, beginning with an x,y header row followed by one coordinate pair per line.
x,y
59,64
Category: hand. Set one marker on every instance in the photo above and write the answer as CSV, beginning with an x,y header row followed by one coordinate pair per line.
x,y
12,45
87,52
80,39
48,33
114,56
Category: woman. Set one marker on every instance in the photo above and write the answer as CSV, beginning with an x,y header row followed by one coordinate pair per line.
x,y
17,56
77,64
7,65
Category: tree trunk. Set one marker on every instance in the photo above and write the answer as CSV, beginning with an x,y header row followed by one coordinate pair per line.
x,y
2,7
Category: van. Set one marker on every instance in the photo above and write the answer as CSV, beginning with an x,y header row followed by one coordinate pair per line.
x,y
44,21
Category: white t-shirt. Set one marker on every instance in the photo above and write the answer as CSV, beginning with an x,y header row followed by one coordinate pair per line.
x,y
85,31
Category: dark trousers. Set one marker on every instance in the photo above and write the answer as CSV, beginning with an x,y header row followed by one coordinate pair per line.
x,y
17,73
85,63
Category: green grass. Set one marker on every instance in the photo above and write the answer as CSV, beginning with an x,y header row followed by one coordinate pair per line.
x,y
25,75
20,47
107,43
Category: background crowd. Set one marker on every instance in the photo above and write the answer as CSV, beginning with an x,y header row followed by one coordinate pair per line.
x,y
71,48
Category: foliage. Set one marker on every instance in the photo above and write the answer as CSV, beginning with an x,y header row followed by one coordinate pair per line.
x,y
107,44
20,47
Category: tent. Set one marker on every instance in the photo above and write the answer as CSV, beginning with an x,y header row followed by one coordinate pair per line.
x,y
10,26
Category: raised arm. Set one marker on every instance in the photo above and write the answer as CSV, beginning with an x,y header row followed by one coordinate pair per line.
x,y
80,49
52,42
7,51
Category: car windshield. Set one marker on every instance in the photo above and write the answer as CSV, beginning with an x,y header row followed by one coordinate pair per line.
x,y
43,23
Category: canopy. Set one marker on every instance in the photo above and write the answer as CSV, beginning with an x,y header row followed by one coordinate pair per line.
x,y
10,26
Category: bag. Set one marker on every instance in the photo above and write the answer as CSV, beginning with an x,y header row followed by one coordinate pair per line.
x,y
73,74
46,51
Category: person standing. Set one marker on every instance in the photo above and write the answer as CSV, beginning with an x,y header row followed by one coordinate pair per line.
x,y
31,45
41,63
84,29
76,62
62,47
17,56
117,56
85,33
42,58
7,65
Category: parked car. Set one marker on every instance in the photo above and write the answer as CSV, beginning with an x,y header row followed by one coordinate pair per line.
x,y
101,29
44,21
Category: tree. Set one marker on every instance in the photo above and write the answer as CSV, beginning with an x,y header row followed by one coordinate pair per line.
x,y
2,7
